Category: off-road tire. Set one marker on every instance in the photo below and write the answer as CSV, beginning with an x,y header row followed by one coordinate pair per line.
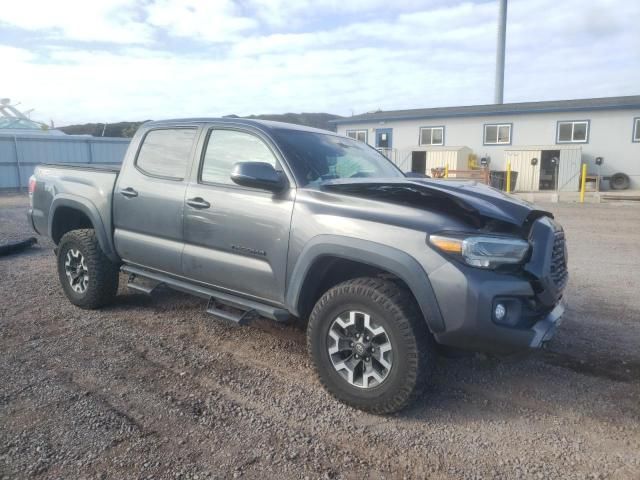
x,y
103,273
414,348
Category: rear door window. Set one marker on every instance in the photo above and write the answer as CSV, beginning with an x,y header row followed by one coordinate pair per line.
x,y
166,152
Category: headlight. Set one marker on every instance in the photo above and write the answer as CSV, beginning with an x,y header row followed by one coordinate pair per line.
x,y
482,251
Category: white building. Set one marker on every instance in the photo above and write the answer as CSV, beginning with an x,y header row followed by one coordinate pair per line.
x,y
545,141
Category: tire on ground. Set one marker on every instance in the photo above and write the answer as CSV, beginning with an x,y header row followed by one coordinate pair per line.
x,y
413,347
619,181
103,273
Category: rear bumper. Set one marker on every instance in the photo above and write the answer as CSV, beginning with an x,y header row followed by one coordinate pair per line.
x,y
31,222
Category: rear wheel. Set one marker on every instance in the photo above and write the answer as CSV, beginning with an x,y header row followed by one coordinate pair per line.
x,y
370,344
88,277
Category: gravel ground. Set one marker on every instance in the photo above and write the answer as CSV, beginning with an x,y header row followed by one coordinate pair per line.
x,y
156,388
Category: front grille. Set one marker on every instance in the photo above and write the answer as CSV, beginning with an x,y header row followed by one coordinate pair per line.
x,y
559,272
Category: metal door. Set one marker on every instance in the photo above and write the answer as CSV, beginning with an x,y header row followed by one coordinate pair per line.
x,y
549,165
384,138
149,197
527,164
569,169
419,162
236,238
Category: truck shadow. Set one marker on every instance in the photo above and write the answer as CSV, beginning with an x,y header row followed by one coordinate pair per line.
x,y
608,367
602,387
32,251
580,372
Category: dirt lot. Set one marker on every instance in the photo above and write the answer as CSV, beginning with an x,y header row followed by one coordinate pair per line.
x,y
156,388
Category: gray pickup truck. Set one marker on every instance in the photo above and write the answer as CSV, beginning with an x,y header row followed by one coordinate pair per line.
x,y
287,222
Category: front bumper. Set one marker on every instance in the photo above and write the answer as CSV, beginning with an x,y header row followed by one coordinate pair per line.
x,y
545,329
468,296
467,299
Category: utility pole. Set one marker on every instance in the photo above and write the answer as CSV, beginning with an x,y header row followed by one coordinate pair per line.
x,y
500,51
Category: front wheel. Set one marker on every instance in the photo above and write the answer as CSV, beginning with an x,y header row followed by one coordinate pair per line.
x,y
88,277
370,345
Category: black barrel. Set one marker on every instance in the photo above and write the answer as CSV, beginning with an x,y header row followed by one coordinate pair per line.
x,y
498,179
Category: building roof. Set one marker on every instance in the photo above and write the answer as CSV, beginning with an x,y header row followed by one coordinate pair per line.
x,y
607,103
14,122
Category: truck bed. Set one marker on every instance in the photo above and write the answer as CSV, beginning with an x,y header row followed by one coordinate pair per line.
x,y
86,166
84,186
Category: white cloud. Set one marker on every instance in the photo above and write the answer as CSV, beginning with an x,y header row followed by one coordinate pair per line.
x,y
214,21
442,55
110,21
294,13
14,56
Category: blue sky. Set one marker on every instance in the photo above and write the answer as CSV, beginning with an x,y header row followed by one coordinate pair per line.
x,y
80,61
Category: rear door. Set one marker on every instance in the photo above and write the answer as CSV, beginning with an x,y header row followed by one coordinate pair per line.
x,y
384,138
149,199
236,238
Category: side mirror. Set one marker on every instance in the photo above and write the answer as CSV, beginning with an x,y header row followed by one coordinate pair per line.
x,y
258,175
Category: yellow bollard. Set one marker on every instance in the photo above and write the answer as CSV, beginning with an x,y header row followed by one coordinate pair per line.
x,y
508,176
583,182
446,170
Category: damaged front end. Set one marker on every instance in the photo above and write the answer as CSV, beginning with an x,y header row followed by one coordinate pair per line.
x,y
502,288
480,206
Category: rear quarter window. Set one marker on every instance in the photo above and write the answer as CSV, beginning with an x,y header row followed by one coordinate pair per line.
x,y
167,152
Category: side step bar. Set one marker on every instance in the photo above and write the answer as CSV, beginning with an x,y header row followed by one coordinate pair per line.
x,y
241,310
142,285
232,314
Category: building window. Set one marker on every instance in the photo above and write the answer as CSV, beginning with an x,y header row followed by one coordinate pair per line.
x,y
573,132
431,135
360,135
498,134
636,129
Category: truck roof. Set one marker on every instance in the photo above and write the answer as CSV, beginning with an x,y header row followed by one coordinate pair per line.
x,y
267,125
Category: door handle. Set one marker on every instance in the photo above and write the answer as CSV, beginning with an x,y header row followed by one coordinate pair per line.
x,y
198,202
129,192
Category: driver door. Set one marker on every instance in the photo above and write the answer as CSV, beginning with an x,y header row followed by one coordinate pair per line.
x,y
236,238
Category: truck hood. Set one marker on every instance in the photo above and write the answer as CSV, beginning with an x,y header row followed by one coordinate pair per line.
x,y
468,199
